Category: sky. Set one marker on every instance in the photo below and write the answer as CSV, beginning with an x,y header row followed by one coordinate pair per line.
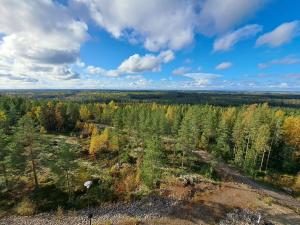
x,y
230,45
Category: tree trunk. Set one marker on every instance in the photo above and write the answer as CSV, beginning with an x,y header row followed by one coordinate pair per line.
x,y
174,155
262,160
246,152
182,158
269,153
68,184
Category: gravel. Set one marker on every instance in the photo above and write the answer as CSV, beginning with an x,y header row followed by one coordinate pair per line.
x,y
244,217
152,207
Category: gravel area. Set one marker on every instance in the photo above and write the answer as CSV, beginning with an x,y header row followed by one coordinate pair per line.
x,y
244,217
152,207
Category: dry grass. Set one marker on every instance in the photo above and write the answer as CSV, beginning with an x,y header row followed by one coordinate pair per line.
x,y
268,200
26,208
170,221
59,212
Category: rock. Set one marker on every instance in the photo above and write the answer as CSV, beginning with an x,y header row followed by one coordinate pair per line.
x,y
147,208
244,217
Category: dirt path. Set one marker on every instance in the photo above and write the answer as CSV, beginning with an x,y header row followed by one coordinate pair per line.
x,y
232,173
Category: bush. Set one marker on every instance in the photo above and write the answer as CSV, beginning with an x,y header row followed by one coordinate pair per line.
x,y
26,208
268,200
208,171
50,197
296,185
59,212
129,221
96,195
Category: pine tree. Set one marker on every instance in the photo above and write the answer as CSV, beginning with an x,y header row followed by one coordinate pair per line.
x,y
186,140
224,144
3,154
27,145
63,165
152,162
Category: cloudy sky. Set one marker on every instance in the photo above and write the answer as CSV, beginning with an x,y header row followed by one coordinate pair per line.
x,y
150,44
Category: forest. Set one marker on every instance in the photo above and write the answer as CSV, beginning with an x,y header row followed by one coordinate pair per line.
x,y
218,98
50,147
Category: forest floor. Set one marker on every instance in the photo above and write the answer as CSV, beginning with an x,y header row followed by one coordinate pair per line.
x,y
204,203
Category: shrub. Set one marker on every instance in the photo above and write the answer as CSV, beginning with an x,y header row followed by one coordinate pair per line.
x,y
59,212
26,208
268,200
49,198
129,221
296,185
208,171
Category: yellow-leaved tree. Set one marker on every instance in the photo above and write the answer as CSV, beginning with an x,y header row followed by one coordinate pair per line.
x,y
84,113
291,131
99,142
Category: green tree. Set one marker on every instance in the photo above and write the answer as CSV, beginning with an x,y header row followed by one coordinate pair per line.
x,y
3,154
27,146
187,138
152,162
64,164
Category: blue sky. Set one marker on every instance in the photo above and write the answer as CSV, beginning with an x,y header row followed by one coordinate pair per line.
x,y
250,45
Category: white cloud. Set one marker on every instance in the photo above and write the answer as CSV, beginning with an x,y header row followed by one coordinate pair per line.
x,y
289,60
227,41
95,70
224,66
181,70
136,64
281,85
168,24
149,62
100,71
40,40
282,34
219,16
201,79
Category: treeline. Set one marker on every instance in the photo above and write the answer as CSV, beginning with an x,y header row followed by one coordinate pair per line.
x,y
253,137
164,97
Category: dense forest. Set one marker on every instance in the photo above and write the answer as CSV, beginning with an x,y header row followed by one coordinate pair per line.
x,y
49,148
218,98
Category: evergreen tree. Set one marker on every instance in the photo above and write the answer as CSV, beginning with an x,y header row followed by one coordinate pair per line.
x,y
151,170
3,154
63,165
187,137
27,146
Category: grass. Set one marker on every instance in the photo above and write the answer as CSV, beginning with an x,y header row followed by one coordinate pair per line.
x,y
268,200
26,208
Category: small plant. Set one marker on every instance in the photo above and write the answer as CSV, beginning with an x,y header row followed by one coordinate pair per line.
x,y
26,208
130,221
108,222
268,200
59,212
72,213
